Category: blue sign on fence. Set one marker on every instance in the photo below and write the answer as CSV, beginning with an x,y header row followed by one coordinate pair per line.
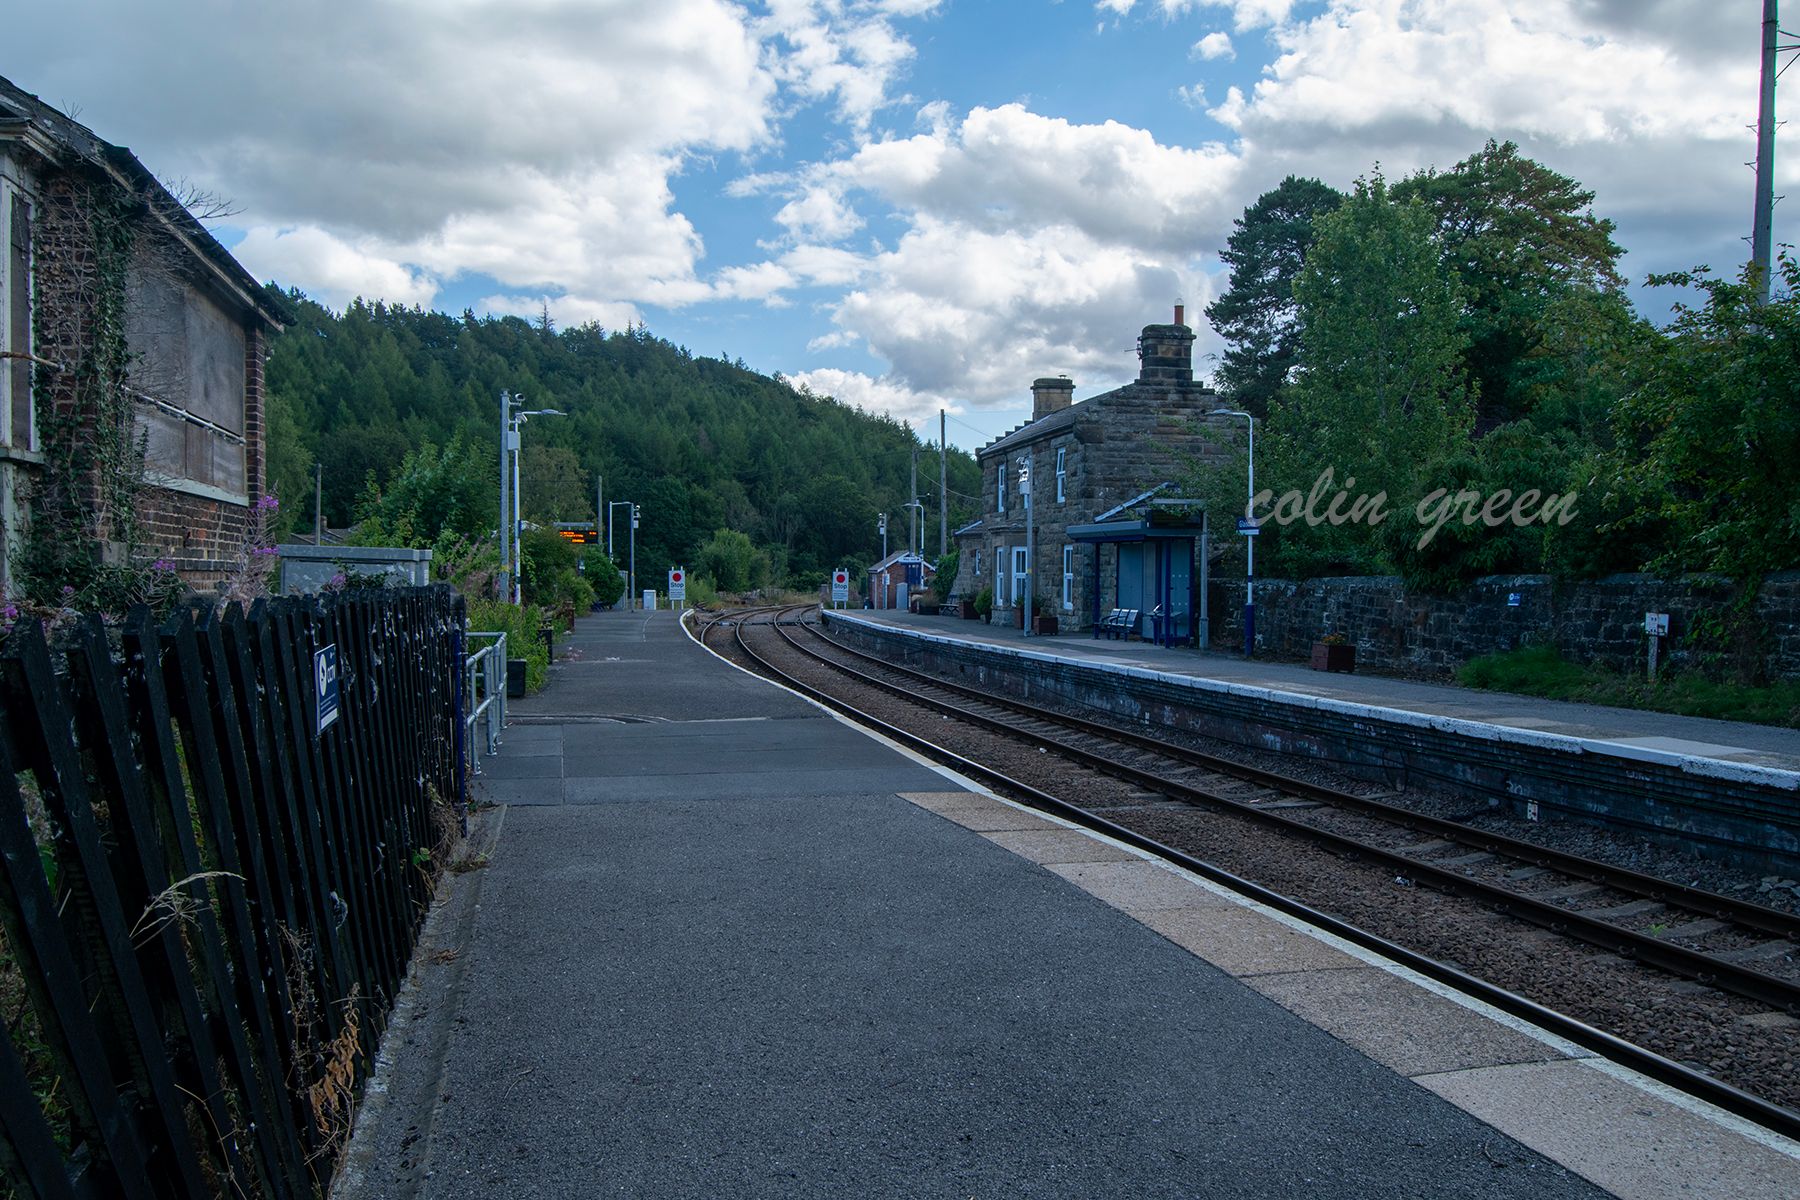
x,y
325,675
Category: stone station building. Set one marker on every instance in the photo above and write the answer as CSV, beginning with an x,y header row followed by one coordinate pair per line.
x,y
1112,459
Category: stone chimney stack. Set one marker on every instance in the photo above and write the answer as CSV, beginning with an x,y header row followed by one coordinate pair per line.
x,y
1166,352
1051,395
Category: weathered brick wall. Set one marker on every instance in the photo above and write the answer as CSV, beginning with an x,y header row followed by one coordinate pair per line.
x,y
203,537
1599,621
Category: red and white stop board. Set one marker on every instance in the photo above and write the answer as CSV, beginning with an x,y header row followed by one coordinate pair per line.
x,y
840,586
678,584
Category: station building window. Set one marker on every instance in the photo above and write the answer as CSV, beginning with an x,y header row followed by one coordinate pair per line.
x,y
1062,473
1068,566
17,415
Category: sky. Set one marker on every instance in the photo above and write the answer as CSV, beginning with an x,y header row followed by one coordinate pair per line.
x,y
911,205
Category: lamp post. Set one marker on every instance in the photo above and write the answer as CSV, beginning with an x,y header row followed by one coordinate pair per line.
x,y
1025,490
630,598
1249,546
635,510
518,497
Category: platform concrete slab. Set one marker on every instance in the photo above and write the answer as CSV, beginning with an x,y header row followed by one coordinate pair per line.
x,y
983,814
1138,886
1245,941
1396,1022
488,790
1046,846
1632,1144
523,766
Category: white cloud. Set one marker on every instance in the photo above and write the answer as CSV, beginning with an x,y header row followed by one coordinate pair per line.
x,y
832,341
336,271
1246,14
1538,71
872,394
1216,44
962,311
566,311
848,52
1010,168
408,141
818,214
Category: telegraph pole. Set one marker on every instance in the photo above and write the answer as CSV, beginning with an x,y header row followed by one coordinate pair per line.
x,y
914,534
1761,241
943,489
318,504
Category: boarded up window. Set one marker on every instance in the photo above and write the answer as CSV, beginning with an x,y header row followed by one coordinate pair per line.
x,y
187,354
18,320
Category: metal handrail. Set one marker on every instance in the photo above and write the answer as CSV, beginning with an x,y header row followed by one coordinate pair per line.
x,y
485,685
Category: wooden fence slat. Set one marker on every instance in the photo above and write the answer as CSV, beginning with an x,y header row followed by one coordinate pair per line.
x,y
219,882
145,886
26,1142
288,736
35,934
368,785
249,978
291,643
308,903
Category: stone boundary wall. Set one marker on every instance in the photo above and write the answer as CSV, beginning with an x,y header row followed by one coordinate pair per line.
x,y
1598,621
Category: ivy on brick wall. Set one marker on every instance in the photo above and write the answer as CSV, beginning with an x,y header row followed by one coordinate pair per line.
x,y
80,547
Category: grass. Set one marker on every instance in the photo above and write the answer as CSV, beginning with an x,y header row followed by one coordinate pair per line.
x,y
1541,671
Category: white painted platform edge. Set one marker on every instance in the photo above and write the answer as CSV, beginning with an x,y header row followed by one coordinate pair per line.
x,y
1691,764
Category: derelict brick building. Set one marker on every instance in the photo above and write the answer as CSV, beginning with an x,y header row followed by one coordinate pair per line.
x,y
94,242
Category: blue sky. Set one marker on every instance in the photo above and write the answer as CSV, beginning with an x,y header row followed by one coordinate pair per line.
x,y
909,204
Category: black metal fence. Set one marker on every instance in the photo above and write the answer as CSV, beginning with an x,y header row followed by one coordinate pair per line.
x,y
208,901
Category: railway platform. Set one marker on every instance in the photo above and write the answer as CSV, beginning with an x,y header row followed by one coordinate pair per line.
x,y
1621,732
719,943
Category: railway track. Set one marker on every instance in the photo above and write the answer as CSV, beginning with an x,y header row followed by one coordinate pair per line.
x,y
1650,920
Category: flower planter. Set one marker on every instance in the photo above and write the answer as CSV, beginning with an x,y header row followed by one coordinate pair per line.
x,y
1329,657
967,609
1018,616
1043,626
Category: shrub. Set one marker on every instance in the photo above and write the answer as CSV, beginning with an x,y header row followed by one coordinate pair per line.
x,y
520,625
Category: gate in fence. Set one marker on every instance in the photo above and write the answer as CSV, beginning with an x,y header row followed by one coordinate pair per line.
x,y
208,901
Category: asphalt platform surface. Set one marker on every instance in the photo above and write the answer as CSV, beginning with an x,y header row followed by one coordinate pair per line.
x,y
716,955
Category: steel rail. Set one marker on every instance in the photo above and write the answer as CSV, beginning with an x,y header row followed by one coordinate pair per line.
x,y
1697,900
1734,1100
1691,964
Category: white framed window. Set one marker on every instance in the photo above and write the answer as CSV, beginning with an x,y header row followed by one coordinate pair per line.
x,y
1000,486
18,415
1062,473
999,577
978,565
1068,568
1021,568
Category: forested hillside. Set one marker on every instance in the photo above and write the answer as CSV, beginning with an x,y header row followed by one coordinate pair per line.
x,y
699,443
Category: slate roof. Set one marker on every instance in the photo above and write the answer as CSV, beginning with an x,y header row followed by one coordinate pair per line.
x,y
22,114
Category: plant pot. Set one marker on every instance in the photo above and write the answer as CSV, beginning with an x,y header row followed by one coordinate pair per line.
x,y
1043,626
925,609
1018,614
967,610
1326,657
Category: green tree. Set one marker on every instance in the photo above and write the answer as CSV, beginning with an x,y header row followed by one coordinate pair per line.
x,y
1255,315
434,494
1519,237
733,561
1709,442
1379,392
604,576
